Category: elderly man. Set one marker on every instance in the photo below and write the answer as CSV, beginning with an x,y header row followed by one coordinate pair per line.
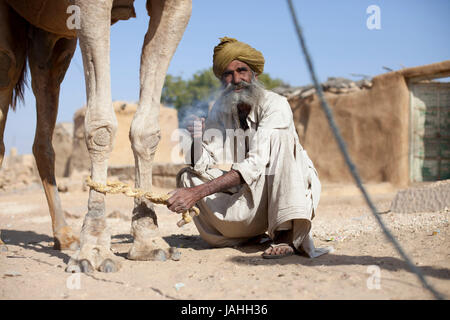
x,y
272,187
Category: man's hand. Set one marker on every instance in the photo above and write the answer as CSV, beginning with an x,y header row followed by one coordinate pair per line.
x,y
195,126
182,199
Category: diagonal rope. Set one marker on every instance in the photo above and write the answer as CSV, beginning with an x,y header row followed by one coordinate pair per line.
x,y
348,160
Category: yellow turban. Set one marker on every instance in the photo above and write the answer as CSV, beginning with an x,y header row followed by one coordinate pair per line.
x,y
230,49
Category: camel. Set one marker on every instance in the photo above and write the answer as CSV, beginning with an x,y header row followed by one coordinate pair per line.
x,y
37,31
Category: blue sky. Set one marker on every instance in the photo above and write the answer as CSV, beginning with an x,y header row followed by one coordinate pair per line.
x,y
413,33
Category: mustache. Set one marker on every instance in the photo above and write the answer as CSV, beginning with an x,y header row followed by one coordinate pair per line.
x,y
230,87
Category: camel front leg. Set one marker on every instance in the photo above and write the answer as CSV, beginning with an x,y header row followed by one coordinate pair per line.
x,y
168,20
100,129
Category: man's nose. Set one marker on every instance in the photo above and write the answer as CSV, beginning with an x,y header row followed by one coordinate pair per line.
x,y
236,78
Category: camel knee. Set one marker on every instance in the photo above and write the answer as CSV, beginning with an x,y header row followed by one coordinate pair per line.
x,y
144,143
100,138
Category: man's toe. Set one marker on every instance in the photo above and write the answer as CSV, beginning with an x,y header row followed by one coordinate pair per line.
x,y
278,251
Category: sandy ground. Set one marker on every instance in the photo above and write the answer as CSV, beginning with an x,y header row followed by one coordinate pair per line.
x,y
363,265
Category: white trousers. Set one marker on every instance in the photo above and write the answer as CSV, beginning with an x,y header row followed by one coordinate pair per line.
x,y
277,200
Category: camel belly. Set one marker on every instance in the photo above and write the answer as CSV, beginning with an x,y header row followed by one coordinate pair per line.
x,y
52,16
49,15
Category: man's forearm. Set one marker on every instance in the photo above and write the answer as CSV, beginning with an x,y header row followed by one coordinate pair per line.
x,y
230,179
184,198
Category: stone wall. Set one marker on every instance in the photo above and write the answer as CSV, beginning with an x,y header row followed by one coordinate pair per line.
x,y
18,171
163,174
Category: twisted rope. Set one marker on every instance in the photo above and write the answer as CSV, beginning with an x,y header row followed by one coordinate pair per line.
x,y
118,187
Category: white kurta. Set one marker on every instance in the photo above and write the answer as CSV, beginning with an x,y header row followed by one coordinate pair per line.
x,y
281,190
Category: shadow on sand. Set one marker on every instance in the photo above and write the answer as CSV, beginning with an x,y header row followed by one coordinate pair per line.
x,y
330,259
174,240
42,243
31,240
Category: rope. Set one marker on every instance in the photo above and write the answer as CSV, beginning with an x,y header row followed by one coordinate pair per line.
x,y
348,160
117,187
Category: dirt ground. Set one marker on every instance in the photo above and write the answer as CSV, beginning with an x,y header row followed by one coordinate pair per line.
x,y
364,265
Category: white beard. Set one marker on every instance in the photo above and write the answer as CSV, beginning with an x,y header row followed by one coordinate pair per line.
x,y
251,94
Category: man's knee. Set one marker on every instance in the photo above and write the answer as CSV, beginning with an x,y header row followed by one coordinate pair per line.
x,y
184,178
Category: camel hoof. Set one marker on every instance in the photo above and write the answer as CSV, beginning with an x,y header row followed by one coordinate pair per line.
x,y
86,266
159,255
108,266
64,239
147,252
175,254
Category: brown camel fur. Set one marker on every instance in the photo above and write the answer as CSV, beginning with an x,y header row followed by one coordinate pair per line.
x,y
36,31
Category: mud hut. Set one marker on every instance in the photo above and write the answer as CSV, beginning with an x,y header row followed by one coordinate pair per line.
x,y
396,125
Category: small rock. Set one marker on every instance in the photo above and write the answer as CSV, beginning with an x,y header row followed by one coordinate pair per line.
x,y
12,274
366,84
343,90
345,276
63,188
333,90
436,232
307,93
179,285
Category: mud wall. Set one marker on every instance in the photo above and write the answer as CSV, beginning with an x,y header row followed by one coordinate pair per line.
x,y
122,154
374,123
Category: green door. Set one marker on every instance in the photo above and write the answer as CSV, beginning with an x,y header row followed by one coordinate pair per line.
x,y
430,131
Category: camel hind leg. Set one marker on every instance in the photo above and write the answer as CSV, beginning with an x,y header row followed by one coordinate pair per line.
x,y
168,21
12,67
13,39
49,57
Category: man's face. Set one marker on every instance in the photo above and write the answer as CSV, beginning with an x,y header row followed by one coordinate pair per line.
x,y
241,87
236,72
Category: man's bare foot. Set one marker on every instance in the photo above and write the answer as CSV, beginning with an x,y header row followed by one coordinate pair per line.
x,y
276,251
281,246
